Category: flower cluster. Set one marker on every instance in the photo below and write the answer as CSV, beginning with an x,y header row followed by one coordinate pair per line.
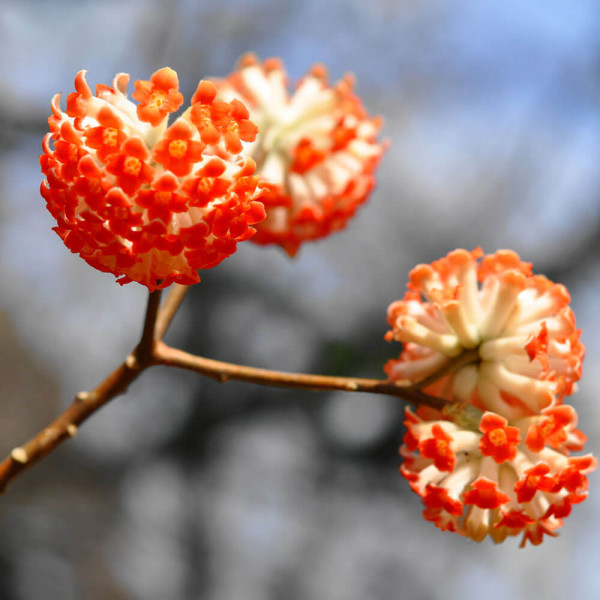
x,y
504,345
317,148
143,200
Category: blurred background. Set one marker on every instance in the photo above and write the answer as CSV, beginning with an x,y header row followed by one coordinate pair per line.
x,y
188,489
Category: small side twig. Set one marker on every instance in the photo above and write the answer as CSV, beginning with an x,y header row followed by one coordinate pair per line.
x,y
169,309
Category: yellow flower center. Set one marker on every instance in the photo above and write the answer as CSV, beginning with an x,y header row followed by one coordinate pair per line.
x,y
178,148
204,115
110,136
498,437
442,447
132,165
163,197
205,184
157,98
547,428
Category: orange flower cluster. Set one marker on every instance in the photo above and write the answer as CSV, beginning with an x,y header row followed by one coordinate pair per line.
x,y
317,147
143,200
154,203
506,468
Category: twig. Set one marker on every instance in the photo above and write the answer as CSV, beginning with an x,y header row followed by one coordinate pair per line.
x,y
223,371
169,309
85,403
466,358
65,426
152,351
143,352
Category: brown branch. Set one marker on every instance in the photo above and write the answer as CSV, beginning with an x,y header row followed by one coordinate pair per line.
x,y
152,351
169,308
465,358
223,371
85,403
66,425
143,352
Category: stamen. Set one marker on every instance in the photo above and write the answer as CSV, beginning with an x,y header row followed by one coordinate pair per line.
x,y
178,148
132,165
110,136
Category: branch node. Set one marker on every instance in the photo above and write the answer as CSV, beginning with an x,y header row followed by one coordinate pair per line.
x,y
82,396
72,429
223,378
132,362
351,386
19,455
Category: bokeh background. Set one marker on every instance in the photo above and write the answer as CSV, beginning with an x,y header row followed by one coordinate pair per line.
x,y
185,488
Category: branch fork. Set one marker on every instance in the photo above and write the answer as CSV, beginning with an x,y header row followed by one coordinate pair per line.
x,y
152,351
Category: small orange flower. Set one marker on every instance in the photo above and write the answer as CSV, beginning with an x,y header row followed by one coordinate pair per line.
x,y
499,441
157,97
163,199
108,137
555,427
536,478
144,201
177,151
438,499
129,165
216,119
438,448
485,494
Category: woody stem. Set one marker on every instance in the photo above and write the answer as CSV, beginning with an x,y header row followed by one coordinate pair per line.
x,y
151,351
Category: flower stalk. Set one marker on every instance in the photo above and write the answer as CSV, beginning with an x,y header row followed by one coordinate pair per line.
x,y
224,371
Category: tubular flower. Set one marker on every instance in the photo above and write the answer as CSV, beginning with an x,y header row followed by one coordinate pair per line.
x,y
491,480
316,147
516,330
143,200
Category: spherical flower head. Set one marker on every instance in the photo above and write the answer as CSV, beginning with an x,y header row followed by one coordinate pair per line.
x,y
517,327
143,200
489,480
316,146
